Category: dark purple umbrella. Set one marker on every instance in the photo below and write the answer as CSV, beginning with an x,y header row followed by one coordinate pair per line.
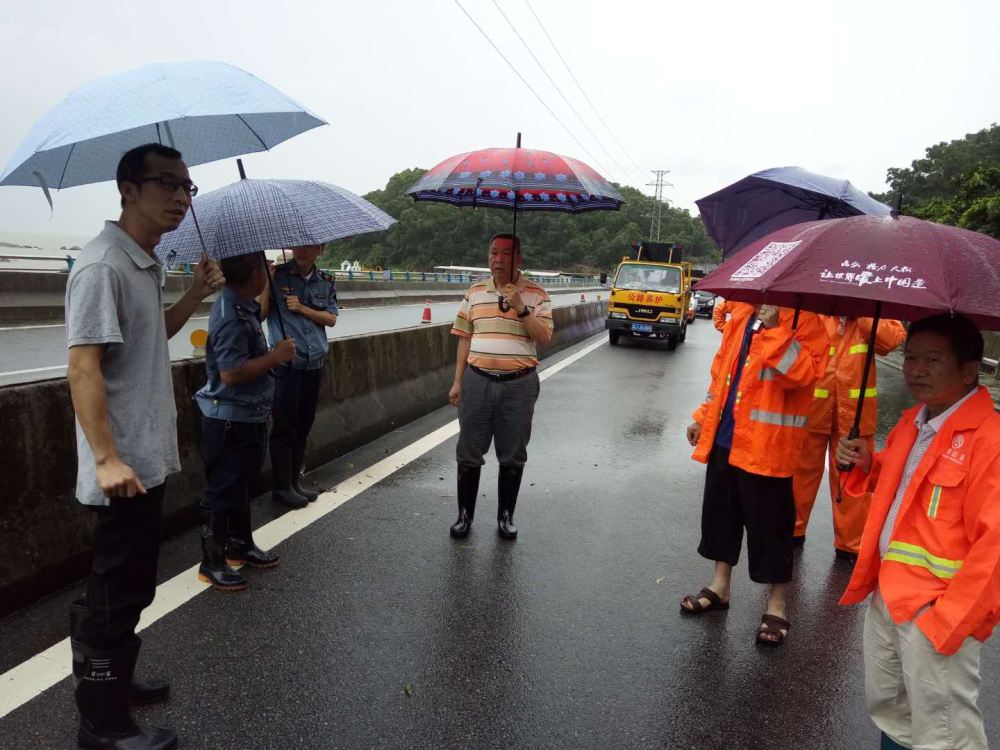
x,y
777,198
897,267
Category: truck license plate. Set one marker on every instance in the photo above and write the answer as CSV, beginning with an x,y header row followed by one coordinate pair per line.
x,y
642,328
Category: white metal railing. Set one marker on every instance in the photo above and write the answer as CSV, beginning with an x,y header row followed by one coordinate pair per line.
x,y
377,275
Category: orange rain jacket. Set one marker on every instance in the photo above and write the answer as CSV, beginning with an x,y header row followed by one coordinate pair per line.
x,y
945,548
722,308
840,387
772,405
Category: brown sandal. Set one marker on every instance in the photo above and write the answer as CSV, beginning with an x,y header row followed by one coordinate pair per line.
x,y
697,608
773,625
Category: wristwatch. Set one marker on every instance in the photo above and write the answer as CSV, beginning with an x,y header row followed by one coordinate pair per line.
x,y
525,312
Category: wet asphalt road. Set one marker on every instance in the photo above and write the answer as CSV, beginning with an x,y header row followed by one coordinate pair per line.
x,y
569,637
29,353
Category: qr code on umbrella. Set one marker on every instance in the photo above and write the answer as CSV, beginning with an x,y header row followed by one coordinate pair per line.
x,y
763,261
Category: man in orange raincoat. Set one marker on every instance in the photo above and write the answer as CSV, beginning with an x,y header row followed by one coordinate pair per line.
x,y
835,402
931,547
722,309
749,431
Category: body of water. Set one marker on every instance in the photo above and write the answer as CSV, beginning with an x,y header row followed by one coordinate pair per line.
x,y
38,245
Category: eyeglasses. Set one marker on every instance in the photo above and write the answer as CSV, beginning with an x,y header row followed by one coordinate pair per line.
x,y
170,184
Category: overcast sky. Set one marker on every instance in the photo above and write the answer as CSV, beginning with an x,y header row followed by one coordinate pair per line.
x,y
711,91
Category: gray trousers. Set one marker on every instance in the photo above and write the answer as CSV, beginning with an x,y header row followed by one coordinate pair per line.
x,y
501,412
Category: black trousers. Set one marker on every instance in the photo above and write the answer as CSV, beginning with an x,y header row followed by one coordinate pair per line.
x,y
233,453
125,547
765,506
294,411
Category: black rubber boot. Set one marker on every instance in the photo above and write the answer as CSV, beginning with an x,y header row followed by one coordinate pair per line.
x,y
468,491
281,467
241,549
141,692
508,485
297,456
887,743
103,678
214,568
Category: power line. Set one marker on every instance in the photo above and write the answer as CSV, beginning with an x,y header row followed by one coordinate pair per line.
x,y
570,71
556,85
541,101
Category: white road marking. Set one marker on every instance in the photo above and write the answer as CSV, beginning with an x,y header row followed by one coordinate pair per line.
x,y
33,369
36,675
32,328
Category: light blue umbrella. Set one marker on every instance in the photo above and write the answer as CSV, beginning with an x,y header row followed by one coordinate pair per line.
x,y
254,215
206,110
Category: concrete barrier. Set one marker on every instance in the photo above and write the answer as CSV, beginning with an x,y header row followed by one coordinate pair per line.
x,y
371,385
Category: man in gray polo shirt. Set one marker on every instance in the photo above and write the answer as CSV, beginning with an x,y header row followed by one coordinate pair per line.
x,y
119,377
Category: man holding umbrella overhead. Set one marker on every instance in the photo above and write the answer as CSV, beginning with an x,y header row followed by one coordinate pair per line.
x,y
120,381
307,297
931,547
749,431
500,322
930,551
835,401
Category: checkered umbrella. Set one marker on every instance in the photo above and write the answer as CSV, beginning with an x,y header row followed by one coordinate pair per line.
x,y
254,215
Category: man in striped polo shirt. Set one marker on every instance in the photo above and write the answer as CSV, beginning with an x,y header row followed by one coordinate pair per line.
x,y
496,384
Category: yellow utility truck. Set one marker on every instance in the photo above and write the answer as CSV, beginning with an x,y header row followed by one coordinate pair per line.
x,y
650,295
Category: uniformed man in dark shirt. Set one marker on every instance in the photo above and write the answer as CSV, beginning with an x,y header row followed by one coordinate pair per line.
x,y
307,298
235,404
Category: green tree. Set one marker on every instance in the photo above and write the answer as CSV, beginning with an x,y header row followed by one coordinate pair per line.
x,y
935,175
958,183
431,234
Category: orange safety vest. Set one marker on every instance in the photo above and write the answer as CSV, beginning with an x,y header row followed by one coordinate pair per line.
x,y
772,404
945,547
837,392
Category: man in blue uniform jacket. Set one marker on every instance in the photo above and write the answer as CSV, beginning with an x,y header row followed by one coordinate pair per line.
x,y
307,299
234,404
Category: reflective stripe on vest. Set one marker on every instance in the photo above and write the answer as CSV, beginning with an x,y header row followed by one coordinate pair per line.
x,y
911,554
935,501
768,373
791,354
869,392
858,349
781,420
821,393
833,350
739,396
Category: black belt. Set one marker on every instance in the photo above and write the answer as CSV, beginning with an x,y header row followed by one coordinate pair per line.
x,y
498,377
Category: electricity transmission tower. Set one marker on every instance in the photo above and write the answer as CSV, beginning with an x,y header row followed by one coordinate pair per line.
x,y
658,201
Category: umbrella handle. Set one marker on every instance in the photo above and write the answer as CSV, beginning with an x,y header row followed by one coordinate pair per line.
x,y
204,250
274,300
869,358
201,239
281,321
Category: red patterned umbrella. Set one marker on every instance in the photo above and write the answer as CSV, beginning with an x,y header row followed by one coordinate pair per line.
x,y
517,179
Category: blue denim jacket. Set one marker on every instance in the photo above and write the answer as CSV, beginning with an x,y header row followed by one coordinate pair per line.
x,y
234,336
